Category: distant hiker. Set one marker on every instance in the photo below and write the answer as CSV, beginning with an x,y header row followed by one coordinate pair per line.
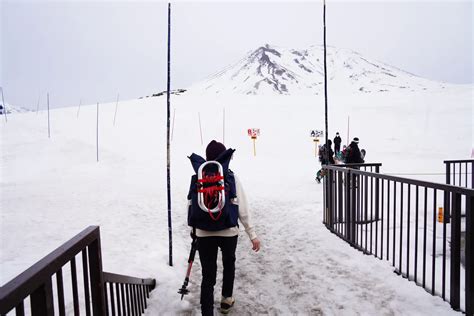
x,y
352,154
337,143
326,157
216,200
362,154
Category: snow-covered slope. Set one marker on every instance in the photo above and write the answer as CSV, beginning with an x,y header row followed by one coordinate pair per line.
x,y
52,188
277,70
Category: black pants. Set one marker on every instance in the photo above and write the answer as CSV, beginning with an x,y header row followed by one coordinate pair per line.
x,y
208,247
337,148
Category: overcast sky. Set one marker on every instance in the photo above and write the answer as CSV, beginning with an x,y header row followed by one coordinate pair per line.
x,y
96,49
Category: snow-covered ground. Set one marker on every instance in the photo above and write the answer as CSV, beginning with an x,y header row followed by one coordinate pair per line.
x,y
51,189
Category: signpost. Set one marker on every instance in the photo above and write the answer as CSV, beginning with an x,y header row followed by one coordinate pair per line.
x,y
315,134
253,133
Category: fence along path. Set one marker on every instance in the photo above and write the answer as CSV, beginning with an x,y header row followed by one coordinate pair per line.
x,y
88,288
415,225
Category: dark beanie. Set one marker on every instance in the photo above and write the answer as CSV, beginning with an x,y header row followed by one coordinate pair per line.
x,y
214,149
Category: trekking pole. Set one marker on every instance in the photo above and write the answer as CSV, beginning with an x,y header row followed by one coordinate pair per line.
x,y
183,290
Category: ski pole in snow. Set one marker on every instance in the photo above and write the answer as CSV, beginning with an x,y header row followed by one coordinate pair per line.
x,y
4,107
116,107
168,177
183,290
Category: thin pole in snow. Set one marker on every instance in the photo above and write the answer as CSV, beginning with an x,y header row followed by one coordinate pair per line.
x,y
325,73
4,106
168,138
223,127
49,127
200,129
172,129
38,104
97,133
79,107
116,107
347,141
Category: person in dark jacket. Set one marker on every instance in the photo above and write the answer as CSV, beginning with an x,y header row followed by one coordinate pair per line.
x,y
337,143
354,155
326,157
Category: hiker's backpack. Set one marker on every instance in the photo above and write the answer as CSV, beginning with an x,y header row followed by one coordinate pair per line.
x,y
212,194
323,155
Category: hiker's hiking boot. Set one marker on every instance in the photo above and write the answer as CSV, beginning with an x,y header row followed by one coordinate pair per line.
x,y
226,304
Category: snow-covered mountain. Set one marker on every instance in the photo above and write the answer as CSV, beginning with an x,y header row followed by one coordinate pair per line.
x,y
277,70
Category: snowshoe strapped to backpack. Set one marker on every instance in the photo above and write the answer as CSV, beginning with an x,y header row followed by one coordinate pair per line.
x,y
212,193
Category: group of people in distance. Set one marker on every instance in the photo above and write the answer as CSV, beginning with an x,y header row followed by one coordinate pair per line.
x,y
349,154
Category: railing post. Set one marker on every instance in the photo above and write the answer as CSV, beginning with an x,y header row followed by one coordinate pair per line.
x,y
330,198
469,251
347,206
377,196
455,251
339,200
42,300
96,277
353,207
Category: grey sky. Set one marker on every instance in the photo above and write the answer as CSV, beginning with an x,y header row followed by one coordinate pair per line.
x,y
94,49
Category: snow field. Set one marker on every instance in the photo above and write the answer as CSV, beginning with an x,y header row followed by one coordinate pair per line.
x,y
53,188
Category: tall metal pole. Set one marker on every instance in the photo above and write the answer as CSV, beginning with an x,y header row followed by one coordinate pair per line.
x,y
4,107
168,139
325,73
49,129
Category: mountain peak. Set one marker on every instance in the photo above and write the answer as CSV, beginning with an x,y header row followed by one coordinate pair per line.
x,y
276,70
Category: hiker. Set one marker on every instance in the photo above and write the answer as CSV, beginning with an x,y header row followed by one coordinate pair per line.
x,y
337,144
221,229
352,154
326,157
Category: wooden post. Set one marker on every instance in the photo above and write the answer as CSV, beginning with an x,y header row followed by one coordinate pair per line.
x,y
254,148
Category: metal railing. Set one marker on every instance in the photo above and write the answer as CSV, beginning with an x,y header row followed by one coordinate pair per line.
x,y
404,221
459,172
48,297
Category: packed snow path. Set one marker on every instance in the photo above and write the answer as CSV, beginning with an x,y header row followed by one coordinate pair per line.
x,y
303,269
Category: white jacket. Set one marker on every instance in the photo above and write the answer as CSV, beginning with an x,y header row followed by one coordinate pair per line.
x,y
244,218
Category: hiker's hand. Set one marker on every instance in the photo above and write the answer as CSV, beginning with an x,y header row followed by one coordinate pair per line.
x,y
255,244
